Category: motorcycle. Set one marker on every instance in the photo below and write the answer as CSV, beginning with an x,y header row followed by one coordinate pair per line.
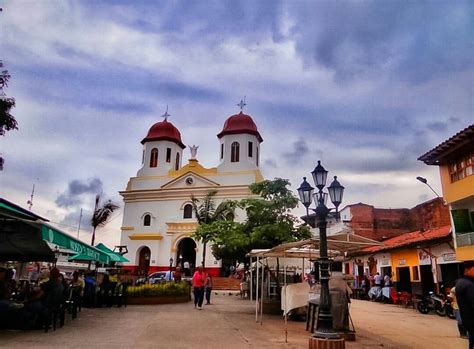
x,y
438,303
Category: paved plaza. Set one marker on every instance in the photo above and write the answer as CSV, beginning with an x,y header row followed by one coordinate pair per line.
x,y
230,323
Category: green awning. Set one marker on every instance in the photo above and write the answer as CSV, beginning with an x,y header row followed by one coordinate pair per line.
x,y
64,240
81,257
114,256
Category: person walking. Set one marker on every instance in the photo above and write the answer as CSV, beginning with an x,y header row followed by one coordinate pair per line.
x,y
454,304
465,298
198,281
208,288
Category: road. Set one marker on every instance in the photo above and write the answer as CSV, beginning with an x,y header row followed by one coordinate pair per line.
x,y
230,323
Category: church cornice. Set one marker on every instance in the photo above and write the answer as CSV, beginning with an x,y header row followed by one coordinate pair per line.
x,y
224,192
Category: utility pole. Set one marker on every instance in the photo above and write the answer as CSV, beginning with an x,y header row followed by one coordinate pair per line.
x,y
79,227
30,202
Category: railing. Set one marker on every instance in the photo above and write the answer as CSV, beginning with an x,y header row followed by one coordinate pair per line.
x,y
464,239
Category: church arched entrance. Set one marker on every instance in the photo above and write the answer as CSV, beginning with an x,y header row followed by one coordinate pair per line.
x,y
144,261
187,255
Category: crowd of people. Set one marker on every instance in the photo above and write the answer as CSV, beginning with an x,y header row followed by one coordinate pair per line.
x,y
33,303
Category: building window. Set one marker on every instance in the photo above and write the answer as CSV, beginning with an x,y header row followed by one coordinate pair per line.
x,y
461,168
250,149
222,151
143,156
147,220
234,152
416,274
258,156
188,211
168,154
154,157
176,165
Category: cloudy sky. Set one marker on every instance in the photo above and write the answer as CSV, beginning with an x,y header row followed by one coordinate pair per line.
x,y
365,86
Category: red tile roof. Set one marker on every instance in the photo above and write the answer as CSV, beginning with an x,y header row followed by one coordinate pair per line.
x,y
411,238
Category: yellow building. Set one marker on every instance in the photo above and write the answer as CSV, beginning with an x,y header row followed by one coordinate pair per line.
x,y
455,158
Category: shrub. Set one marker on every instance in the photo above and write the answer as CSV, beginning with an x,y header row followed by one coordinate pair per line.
x,y
159,290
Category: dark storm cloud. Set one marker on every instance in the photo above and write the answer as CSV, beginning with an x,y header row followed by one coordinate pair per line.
x,y
297,152
437,126
412,40
76,188
114,89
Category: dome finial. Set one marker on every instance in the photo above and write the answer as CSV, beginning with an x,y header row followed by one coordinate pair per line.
x,y
165,115
242,104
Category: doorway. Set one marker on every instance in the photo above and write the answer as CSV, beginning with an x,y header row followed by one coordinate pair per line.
x,y
427,282
144,261
404,283
186,256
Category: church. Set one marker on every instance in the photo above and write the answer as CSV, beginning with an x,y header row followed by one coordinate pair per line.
x,y
158,219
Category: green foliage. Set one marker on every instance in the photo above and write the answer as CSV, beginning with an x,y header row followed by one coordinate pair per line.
x,y
159,290
207,214
269,222
7,120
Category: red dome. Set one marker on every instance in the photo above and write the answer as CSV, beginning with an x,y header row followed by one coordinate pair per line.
x,y
164,131
240,123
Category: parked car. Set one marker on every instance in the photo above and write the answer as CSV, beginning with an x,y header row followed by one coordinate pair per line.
x,y
159,276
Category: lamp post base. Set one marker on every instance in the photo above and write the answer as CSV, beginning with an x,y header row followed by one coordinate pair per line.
x,y
324,343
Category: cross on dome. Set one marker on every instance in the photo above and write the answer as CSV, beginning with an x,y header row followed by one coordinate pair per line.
x,y
242,104
165,115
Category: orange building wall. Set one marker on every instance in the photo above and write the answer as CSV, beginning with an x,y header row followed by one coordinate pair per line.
x,y
458,190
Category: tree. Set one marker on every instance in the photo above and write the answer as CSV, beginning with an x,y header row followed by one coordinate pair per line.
x,y
206,214
101,215
269,222
7,121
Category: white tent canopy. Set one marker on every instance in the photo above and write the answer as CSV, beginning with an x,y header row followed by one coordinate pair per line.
x,y
336,244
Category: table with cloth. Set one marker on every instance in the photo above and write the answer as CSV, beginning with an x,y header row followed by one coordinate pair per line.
x,y
297,295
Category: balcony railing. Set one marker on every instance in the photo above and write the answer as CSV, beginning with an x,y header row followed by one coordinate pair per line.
x,y
464,239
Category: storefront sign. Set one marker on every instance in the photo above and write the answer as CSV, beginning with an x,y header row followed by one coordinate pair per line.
x,y
424,258
402,261
449,257
385,262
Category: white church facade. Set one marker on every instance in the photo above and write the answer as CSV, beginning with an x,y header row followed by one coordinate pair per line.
x,y
158,219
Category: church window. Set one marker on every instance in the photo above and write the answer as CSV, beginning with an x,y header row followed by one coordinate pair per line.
x,y
222,151
147,220
188,211
168,154
176,165
250,149
143,156
258,159
154,157
235,150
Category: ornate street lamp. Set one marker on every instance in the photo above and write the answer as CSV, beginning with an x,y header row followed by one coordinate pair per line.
x,y
305,191
324,328
147,265
171,266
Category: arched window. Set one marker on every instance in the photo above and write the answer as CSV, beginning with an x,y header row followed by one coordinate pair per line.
x,y
234,152
176,165
154,157
188,211
147,220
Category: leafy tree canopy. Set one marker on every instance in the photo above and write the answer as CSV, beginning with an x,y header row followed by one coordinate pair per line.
x,y
7,120
269,222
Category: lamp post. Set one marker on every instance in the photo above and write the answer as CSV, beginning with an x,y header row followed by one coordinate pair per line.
x,y
147,265
324,328
171,266
57,254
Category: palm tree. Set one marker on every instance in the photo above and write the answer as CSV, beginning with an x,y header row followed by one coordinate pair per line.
x,y
207,213
101,215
